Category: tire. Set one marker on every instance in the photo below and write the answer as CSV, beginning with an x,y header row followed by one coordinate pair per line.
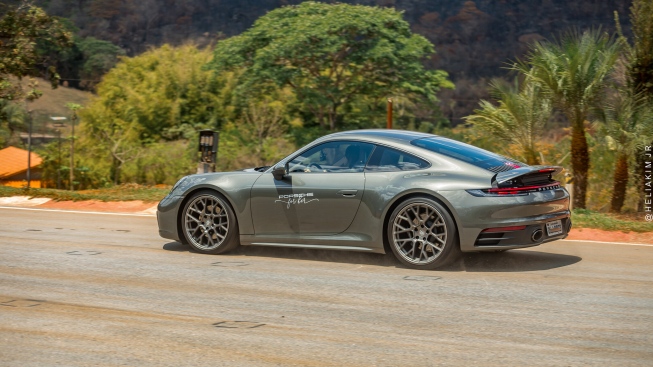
x,y
422,234
209,224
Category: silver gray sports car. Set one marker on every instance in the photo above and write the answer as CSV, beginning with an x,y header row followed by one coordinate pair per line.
x,y
424,197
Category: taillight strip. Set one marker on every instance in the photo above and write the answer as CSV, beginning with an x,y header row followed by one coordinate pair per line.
x,y
516,190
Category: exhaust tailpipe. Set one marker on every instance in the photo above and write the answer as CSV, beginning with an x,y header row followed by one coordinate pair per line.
x,y
537,235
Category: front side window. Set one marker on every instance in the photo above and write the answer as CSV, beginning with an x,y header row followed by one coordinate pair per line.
x,y
334,156
387,159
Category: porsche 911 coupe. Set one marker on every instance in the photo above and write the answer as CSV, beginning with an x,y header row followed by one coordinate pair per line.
x,y
423,197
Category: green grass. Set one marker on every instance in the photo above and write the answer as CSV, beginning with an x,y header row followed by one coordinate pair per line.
x,y
582,218
116,193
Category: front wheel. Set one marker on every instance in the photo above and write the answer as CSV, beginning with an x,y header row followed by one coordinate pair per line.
x,y
422,234
209,225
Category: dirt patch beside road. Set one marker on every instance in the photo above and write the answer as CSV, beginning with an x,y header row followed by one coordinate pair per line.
x,y
590,234
134,206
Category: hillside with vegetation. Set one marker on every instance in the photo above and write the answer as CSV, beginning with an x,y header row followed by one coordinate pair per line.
x,y
474,39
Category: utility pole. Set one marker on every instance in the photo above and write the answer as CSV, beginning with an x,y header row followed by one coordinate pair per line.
x,y
72,153
59,160
73,107
58,125
29,149
32,95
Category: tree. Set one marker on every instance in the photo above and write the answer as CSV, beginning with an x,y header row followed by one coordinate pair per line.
x,y
638,76
627,125
519,119
258,134
120,139
639,56
83,64
161,95
161,90
98,58
264,120
12,118
20,30
572,72
330,54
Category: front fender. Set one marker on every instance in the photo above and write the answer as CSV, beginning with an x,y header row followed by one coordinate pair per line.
x,y
235,187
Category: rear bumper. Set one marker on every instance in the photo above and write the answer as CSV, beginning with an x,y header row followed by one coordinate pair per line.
x,y
473,215
532,235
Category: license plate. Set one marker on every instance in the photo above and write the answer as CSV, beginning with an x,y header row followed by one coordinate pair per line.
x,y
554,228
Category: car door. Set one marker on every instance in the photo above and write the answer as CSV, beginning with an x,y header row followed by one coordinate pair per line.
x,y
319,195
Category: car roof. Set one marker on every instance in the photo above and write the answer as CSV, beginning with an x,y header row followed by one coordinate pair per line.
x,y
381,135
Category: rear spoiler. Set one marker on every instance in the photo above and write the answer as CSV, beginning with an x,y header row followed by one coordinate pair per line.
x,y
508,177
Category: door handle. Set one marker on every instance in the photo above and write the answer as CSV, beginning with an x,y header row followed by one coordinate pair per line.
x,y
348,193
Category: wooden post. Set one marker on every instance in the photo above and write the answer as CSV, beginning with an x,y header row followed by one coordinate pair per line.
x,y
389,123
72,152
29,149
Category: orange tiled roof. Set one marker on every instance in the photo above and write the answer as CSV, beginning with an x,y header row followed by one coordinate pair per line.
x,y
14,160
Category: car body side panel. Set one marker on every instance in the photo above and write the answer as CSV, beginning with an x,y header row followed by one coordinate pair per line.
x,y
306,203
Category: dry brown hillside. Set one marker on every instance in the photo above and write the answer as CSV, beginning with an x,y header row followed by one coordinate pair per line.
x,y
53,101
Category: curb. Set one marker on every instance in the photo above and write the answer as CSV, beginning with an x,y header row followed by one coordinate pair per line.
x,y
18,202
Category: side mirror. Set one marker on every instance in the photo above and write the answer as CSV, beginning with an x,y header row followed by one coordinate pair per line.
x,y
279,171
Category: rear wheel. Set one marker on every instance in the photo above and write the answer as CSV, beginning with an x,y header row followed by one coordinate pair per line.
x,y
422,234
209,225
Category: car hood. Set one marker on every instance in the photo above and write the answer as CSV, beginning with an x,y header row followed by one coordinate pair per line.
x,y
256,169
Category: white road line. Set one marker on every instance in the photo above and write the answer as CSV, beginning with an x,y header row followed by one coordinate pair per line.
x,y
611,243
79,211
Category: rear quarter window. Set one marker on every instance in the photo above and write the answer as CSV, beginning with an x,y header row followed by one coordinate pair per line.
x,y
386,159
468,153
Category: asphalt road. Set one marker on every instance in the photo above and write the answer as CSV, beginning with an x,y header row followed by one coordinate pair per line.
x,y
104,290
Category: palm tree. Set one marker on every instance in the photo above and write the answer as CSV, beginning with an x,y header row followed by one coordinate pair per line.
x,y
638,73
519,119
572,72
639,57
627,126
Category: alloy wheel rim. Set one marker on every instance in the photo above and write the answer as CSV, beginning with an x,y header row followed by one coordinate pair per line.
x,y
206,222
419,233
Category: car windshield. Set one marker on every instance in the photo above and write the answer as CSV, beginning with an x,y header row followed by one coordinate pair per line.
x,y
468,153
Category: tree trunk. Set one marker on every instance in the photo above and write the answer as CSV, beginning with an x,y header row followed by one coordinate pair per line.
x,y
639,178
333,114
115,170
532,157
620,182
320,116
580,164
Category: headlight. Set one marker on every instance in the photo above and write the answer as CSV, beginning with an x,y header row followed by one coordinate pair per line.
x,y
181,180
184,183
